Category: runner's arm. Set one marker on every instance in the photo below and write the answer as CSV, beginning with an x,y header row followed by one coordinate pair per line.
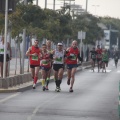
x,y
28,52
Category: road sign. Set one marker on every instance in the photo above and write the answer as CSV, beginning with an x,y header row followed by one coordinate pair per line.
x,y
81,35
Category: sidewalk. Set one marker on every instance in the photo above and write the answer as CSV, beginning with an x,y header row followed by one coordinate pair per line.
x,y
27,86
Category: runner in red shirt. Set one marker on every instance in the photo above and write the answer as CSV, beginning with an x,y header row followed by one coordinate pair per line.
x,y
45,65
34,55
72,55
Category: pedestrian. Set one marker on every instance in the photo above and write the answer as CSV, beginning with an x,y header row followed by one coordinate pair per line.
x,y
50,51
58,65
45,65
8,56
72,55
34,54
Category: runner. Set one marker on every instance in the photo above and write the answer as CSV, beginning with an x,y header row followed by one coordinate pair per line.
x,y
48,44
45,66
34,55
116,57
99,57
72,54
105,59
93,58
58,65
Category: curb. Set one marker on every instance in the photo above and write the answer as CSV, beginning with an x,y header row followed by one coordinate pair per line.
x,y
27,86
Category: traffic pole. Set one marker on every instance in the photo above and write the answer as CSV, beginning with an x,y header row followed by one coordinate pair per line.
x,y
5,38
37,2
23,49
119,101
53,4
81,44
45,4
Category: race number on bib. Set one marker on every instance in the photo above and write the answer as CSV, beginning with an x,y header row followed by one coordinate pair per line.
x,y
1,50
59,59
44,62
35,58
73,56
93,56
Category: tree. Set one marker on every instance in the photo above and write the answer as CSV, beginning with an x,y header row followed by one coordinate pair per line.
x,y
87,23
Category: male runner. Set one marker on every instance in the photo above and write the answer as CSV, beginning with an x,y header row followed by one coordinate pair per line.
x,y
72,55
34,55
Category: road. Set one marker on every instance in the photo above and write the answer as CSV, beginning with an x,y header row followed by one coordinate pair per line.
x,y
95,97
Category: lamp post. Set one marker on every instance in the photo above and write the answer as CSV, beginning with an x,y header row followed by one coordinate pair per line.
x,y
86,5
5,42
37,2
53,4
95,8
45,4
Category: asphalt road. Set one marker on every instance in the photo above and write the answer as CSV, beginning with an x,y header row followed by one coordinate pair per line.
x,y
95,97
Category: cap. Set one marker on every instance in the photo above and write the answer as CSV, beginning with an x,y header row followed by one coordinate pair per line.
x,y
60,44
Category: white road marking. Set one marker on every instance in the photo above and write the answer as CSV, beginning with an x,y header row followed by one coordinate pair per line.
x,y
38,107
96,70
9,97
118,71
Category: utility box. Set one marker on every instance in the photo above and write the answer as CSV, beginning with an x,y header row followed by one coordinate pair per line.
x,y
11,6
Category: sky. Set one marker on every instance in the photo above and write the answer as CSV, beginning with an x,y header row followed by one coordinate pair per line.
x,y
96,7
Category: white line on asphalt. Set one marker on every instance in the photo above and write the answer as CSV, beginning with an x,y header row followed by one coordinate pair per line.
x,y
38,107
9,97
96,70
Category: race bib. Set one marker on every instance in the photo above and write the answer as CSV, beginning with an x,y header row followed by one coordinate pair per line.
x,y
93,56
1,50
35,58
59,59
73,56
44,62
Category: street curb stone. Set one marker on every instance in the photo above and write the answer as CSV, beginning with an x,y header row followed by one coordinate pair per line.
x,y
27,86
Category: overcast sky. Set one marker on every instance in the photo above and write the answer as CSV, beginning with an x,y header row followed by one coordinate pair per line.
x,y
97,7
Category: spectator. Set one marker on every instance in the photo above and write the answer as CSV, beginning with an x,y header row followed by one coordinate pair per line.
x,y
8,56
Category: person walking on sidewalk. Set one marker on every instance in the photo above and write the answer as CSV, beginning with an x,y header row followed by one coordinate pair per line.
x,y
34,54
45,65
72,55
8,56
58,65
50,51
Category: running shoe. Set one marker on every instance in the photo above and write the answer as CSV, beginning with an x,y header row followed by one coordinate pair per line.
x,y
46,88
43,88
57,89
71,90
34,86
68,81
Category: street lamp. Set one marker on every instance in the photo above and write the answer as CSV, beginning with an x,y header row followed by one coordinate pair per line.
x,y
86,5
45,4
95,8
